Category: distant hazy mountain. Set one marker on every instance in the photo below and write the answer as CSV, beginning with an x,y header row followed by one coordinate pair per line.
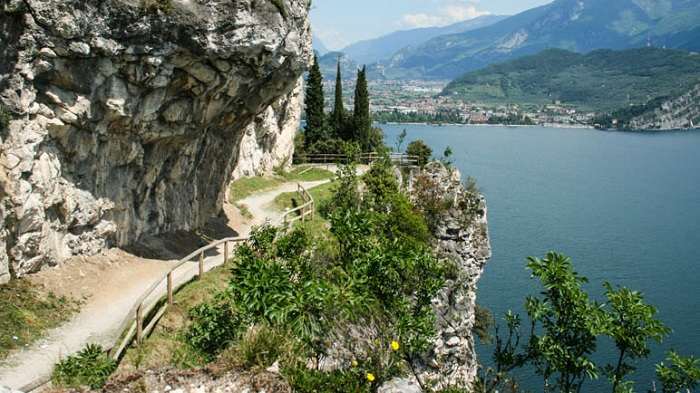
x,y
575,25
372,51
319,46
329,64
602,80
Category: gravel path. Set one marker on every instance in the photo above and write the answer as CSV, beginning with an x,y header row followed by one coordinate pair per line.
x,y
111,298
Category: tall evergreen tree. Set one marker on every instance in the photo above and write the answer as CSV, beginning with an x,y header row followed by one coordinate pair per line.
x,y
338,115
362,119
315,118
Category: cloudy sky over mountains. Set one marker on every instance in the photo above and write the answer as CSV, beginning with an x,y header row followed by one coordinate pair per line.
x,y
341,22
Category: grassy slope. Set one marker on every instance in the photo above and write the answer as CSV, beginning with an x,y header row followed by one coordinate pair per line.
x,y
599,81
243,188
26,314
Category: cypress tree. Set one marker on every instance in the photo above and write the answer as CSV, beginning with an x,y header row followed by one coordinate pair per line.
x,y
315,118
362,119
338,115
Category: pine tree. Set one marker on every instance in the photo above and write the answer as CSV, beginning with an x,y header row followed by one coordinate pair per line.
x,y
315,118
362,119
338,115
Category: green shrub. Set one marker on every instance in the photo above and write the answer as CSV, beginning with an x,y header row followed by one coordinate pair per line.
x,y
421,150
213,326
90,367
304,380
680,374
259,348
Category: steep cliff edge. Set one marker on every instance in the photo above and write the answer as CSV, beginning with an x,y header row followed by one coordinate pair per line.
x,y
128,116
461,231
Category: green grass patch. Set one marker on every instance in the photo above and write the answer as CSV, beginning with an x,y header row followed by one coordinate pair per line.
x,y
290,200
26,314
245,211
245,187
307,173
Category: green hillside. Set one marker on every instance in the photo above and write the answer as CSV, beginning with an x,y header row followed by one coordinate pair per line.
x,y
602,80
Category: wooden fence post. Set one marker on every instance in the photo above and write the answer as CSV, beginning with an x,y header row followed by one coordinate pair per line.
x,y
139,323
201,264
225,251
170,288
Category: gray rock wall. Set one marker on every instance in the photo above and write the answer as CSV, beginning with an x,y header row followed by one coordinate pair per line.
x,y
463,238
128,118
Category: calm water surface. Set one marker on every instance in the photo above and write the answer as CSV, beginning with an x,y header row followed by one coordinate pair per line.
x,y
624,206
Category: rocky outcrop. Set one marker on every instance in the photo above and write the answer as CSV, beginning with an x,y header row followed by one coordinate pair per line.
x,y
682,112
130,116
196,381
462,237
268,143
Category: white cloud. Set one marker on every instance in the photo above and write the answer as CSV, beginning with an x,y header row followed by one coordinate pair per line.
x,y
451,12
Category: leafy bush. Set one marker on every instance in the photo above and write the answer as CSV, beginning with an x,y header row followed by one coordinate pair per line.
x,y
304,380
90,367
382,270
259,348
213,325
421,150
681,373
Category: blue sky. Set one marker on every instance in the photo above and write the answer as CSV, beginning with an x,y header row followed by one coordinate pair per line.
x,y
341,22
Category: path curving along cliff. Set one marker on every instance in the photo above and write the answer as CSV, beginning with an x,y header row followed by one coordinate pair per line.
x,y
100,320
129,116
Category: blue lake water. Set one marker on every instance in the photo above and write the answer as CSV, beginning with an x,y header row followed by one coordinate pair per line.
x,y
624,206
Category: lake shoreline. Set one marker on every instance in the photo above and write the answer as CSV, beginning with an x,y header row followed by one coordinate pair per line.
x,y
546,125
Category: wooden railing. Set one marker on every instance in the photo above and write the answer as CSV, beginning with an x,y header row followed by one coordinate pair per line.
x,y
399,159
141,320
300,212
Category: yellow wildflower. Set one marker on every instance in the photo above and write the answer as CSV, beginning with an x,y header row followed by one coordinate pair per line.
x,y
395,345
370,377
354,363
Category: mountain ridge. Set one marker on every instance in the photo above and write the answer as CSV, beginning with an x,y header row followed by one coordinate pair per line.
x,y
383,47
575,25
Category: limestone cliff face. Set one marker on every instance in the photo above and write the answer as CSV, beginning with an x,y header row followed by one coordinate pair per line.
x,y
268,142
128,116
462,237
